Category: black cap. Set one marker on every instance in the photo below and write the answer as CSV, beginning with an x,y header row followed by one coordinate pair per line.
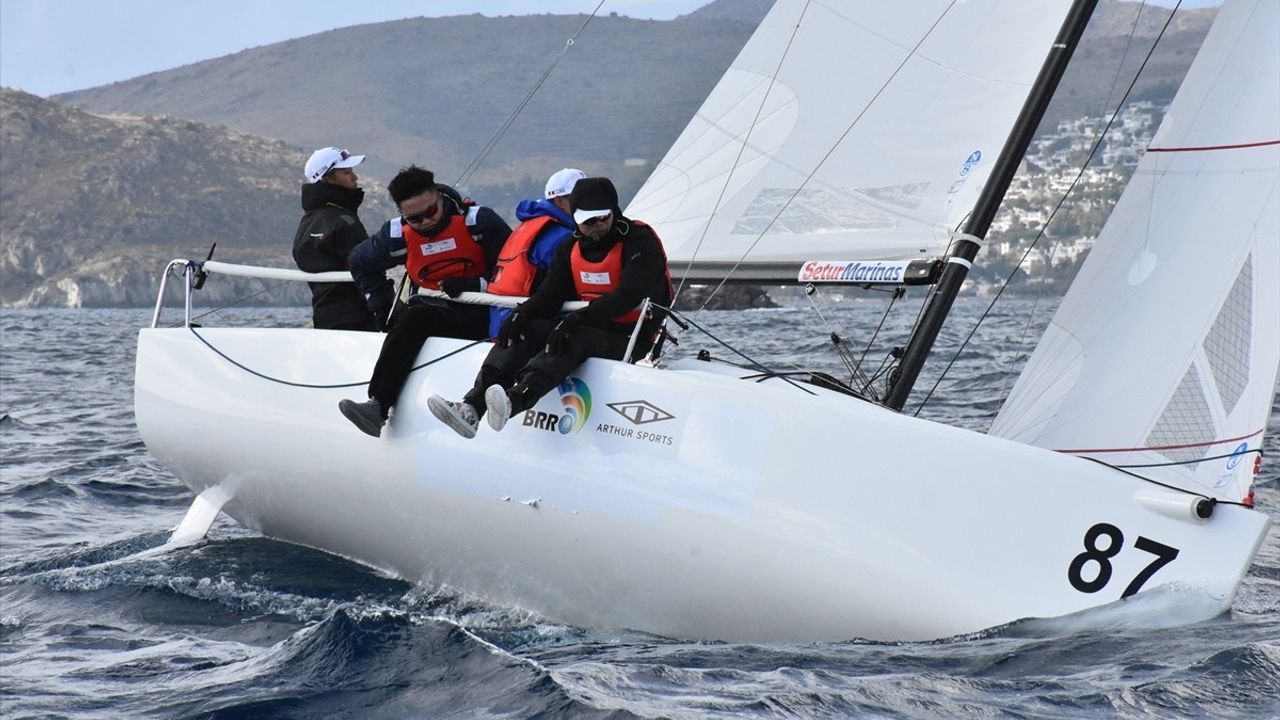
x,y
593,197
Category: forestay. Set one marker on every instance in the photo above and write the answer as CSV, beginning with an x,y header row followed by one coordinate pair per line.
x,y
1167,347
846,131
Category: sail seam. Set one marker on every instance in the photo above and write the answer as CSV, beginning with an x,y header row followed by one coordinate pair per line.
x,y
1210,148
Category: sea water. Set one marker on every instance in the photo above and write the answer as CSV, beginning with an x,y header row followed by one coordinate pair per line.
x,y
242,626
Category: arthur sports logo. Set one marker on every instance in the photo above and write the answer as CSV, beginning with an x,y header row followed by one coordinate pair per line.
x,y
575,396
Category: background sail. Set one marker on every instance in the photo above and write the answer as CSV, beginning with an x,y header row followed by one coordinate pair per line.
x,y
1167,346
869,129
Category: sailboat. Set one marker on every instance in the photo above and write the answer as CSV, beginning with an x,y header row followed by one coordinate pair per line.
x,y
849,143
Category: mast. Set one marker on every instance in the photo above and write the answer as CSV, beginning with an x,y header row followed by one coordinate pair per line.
x,y
984,210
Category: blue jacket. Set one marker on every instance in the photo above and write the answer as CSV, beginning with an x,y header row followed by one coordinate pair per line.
x,y
544,246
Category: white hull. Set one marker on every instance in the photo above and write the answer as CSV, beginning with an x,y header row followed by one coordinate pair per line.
x,y
757,512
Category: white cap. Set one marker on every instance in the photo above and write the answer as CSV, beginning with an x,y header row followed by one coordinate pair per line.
x,y
561,183
326,159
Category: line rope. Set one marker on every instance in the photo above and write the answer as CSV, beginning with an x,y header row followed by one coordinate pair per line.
x,y
290,383
1066,194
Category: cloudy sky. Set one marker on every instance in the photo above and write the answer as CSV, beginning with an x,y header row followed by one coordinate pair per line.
x,y
53,46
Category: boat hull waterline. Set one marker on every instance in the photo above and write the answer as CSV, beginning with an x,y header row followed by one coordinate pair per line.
x,y
686,502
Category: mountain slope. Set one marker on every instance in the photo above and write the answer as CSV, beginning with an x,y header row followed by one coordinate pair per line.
x,y
435,90
92,206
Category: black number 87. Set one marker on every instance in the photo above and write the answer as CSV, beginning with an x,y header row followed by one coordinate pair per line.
x,y
1101,556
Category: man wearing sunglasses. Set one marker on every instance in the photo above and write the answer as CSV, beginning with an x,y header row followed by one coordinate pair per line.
x,y
329,229
614,263
445,244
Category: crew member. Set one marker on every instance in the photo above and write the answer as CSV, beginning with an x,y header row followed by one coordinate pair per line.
x,y
614,263
445,244
329,229
544,225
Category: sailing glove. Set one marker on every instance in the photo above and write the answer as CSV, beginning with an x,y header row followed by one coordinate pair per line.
x,y
455,286
558,340
513,329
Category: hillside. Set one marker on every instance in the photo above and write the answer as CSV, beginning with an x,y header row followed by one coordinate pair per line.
x,y
435,90
92,206
121,193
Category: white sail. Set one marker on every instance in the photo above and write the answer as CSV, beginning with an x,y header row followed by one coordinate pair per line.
x,y
1167,347
869,129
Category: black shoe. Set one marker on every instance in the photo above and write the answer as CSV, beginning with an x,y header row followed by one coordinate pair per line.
x,y
366,415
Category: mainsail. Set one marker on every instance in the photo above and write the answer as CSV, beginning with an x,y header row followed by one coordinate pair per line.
x,y
1166,349
846,131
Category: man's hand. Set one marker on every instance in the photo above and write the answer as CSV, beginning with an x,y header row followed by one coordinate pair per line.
x,y
513,329
558,340
455,286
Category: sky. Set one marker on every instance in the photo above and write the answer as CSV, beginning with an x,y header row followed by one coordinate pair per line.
x,y
54,46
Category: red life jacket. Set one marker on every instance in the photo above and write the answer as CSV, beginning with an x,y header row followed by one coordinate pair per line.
x,y
452,252
514,272
591,280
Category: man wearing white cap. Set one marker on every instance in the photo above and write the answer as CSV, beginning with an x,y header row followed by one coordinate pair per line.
x,y
614,263
329,229
544,225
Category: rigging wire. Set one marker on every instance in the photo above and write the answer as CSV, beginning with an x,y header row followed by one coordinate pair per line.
x,y
754,363
795,193
773,78
506,124
1066,194
1121,469
274,286
842,348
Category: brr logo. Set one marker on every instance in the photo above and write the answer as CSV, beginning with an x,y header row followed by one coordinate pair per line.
x,y
575,396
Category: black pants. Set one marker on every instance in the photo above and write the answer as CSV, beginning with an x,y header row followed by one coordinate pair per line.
x,y
410,328
527,367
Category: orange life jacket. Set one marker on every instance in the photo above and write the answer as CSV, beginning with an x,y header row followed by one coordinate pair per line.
x,y
591,280
452,252
514,272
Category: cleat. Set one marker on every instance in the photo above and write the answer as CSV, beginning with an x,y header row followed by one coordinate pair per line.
x,y
499,406
459,416
366,415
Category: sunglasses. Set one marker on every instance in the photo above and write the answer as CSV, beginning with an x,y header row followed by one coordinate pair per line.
x,y
343,155
425,215
597,220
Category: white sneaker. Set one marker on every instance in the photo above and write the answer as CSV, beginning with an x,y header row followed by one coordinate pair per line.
x,y
498,405
458,415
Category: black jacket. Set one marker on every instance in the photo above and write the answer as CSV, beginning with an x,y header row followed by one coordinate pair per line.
x,y
644,274
328,231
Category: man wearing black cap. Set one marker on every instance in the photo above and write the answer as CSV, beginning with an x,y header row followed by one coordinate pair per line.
x,y
612,262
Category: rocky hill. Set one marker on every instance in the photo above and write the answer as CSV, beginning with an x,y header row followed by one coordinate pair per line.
x,y
92,204
435,91
91,207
